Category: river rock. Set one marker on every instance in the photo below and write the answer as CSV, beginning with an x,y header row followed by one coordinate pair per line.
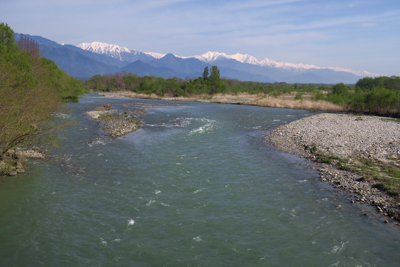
x,y
374,138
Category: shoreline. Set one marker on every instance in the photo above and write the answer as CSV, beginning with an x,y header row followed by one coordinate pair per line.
x,y
351,153
284,101
12,162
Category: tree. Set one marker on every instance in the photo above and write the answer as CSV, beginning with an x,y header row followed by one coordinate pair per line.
x,y
31,90
340,89
339,94
215,75
205,73
215,81
7,41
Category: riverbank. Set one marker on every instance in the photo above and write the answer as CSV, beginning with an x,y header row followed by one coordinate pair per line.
x,y
12,162
283,101
359,154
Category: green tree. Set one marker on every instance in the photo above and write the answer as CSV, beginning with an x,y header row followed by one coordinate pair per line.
x,y
357,100
215,81
215,74
31,90
205,73
319,96
339,94
340,89
298,96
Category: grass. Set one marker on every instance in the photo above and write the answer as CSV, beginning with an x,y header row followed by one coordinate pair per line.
x,y
246,98
385,176
391,119
294,104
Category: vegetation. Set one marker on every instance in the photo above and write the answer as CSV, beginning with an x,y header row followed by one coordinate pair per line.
x,y
380,95
32,89
384,176
209,83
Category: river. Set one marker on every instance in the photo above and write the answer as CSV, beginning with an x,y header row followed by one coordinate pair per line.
x,y
197,185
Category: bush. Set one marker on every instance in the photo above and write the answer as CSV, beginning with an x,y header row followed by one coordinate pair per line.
x,y
319,96
298,96
32,88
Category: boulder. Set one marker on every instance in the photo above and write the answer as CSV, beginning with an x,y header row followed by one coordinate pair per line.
x,y
20,156
20,167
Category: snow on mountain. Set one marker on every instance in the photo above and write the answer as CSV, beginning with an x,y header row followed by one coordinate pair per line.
x,y
116,51
211,57
155,55
103,48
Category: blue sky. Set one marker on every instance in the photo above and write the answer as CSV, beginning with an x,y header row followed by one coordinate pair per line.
x,y
359,35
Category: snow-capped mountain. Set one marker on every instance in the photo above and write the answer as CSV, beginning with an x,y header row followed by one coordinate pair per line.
x,y
115,51
111,50
155,55
211,57
125,54
88,59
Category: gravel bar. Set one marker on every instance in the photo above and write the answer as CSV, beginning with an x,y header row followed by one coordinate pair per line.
x,y
360,137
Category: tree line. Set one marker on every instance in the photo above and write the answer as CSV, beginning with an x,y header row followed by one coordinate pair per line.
x,y
209,83
380,95
32,89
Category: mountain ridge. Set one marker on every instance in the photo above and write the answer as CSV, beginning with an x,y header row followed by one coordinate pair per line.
x,y
211,57
88,59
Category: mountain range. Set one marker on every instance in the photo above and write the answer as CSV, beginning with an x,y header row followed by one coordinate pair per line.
x,y
88,59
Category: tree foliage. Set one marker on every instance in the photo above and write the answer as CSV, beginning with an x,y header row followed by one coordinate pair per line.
x,y
380,95
32,88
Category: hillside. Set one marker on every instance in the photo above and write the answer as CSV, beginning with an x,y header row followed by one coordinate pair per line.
x,y
88,59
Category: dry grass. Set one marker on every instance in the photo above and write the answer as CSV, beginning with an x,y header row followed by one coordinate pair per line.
x,y
130,94
243,98
296,104
187,98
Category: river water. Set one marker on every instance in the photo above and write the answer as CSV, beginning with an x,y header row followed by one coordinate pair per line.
x,y
197,185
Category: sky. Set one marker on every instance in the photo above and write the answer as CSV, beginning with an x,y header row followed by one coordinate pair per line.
x,y
357,35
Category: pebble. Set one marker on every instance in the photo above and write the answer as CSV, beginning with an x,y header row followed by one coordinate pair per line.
x,y
343,135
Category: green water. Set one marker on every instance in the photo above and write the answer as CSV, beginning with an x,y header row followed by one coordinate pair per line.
x,y
195,186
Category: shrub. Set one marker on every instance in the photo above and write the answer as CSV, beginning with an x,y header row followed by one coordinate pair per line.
x,y
298,96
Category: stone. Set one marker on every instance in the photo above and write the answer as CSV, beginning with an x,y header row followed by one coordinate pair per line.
x,y
20,156
19,165
362,142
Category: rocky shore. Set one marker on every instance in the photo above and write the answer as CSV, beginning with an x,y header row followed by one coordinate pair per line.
x,y
122,119
116,124
12,162
359,154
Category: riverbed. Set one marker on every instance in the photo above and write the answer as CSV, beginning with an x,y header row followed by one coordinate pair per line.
x,y
196,185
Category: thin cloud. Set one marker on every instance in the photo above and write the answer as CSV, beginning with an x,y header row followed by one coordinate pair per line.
x,y
257,4
367,25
